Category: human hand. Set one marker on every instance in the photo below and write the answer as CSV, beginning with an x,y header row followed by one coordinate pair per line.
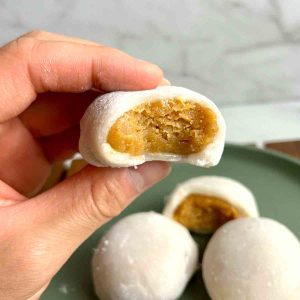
x,y
46,83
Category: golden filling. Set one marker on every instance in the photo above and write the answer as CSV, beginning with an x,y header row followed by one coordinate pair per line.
x,y
204,214
170,126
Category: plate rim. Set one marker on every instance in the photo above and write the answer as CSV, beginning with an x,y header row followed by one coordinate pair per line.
x,y
273,153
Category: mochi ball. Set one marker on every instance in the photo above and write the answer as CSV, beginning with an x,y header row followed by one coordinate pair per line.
x,y
253,259
170,123
144,256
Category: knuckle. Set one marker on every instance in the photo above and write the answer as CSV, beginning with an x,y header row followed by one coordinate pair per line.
x,y
21,46
109,197
35,33
24,44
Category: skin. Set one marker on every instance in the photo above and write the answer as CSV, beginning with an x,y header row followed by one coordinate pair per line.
x,y
46,83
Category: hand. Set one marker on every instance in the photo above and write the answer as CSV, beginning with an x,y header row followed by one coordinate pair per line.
x,y
46,82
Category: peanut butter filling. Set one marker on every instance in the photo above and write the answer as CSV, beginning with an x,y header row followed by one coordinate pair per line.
x,y
204,214
168,126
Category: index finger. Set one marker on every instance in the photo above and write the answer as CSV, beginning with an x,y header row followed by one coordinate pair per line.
x,y
30,66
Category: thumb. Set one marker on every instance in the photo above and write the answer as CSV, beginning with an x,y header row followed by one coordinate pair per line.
x,y
70,212
40,234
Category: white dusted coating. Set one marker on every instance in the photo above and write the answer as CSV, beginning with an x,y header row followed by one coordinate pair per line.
x,y
105,110
253,259
227,189
144,256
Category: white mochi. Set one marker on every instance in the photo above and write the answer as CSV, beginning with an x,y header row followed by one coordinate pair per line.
x,y
144,256
253,259
231,191
105,110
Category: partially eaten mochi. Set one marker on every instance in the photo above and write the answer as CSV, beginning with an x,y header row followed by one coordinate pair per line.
x,y
144,256
122,129
203,204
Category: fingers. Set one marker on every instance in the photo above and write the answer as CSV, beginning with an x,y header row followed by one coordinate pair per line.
x,y
71,211
53,113
49,227
101,195
62,145
64,66
164,82
8,196
23,164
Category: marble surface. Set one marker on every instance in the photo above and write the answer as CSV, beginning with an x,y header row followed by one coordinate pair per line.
x,y
261,123
233,51
237,52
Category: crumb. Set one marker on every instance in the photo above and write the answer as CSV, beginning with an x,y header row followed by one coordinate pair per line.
x,y
64,289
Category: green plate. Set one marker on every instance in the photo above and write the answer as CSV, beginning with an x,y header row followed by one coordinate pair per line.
x,y
273,178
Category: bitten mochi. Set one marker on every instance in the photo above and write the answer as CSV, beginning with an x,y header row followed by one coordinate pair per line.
x,y
122,129
203,204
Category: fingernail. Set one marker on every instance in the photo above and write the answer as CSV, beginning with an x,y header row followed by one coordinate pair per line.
x,y
148,174
165,81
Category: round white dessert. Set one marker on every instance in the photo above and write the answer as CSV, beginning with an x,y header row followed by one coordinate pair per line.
x,y
253,259
144,256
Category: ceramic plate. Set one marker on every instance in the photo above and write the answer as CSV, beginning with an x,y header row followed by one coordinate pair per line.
x,y
273,178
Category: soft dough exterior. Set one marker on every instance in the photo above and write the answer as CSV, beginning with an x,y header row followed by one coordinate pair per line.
x,y
106,109
145,256
253,259
230,190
